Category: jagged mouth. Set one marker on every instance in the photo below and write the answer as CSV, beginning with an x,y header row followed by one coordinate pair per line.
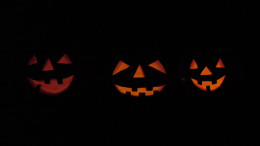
x,y
208,85
52,86
139,91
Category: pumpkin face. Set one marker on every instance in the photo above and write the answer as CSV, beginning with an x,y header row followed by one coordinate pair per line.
x,y
135,79
207,75
51,76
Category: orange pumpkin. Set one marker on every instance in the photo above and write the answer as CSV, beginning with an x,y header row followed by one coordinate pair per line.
x,y
203,77
50,77
136,79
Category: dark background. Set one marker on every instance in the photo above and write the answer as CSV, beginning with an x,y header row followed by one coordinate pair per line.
x,y
95,35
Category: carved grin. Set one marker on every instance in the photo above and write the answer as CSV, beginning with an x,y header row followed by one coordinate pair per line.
x,y
208,85
53,87
142,90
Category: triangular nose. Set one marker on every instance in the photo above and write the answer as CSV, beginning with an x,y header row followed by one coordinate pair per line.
x,y
139,73
206,71
48,66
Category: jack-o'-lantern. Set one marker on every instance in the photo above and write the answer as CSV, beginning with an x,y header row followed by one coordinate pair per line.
x,y
139,79
207,75
50,75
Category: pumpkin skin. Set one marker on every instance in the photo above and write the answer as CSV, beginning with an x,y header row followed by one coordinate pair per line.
x,y
139,79
207,75
50,76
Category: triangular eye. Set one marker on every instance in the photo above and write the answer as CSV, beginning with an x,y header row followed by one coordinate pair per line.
x,y
33,60
158,66
193,65
64,60
120,67
220,64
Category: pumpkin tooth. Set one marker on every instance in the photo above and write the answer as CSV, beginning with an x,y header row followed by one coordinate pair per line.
x,y
214,81
149,88
142,95
47,81
60,81
200,82
208,88
38,87
134,89
128,93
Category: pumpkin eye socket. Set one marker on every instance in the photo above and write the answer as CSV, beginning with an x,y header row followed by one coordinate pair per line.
x,y
33,60
158,66
120,67
220,64
193,65
64,60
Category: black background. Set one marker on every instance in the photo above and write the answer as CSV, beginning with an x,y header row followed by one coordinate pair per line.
x,y
95,35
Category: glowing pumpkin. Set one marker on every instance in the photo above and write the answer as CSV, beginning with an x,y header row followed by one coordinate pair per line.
x,y
137,79
207,77
50,77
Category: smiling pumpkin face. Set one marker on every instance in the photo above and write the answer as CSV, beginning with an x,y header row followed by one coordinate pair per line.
x,y
135,79
50,76
207,75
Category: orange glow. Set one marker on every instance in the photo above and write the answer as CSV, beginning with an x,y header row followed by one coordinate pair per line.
x,y
124,90
158,66
220,64
206,72
33,60
139,73
204,84
48,66
193,65
53,88
64,59
120,67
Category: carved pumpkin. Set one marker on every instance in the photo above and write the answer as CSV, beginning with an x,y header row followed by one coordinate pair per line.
x,y
207,75
51,76
139,79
